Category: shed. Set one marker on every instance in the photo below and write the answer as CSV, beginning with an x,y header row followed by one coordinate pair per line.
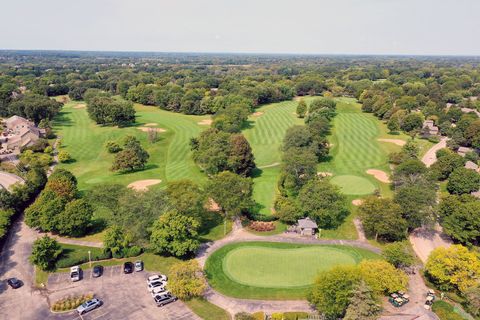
x,y
307,227
463,151
471,165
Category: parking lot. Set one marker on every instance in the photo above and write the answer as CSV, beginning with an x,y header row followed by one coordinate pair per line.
x,y
125,296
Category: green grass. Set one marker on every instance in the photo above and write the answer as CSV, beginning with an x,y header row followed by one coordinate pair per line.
x,y
41,277
213,227
170,157
207,310
446,311
265,134
260,270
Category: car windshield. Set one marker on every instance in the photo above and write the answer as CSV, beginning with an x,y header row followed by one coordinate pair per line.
x,y
74,274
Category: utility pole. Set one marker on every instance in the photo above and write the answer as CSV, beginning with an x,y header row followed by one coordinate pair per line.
x,y
89,259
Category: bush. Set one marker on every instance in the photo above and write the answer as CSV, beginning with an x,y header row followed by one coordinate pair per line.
x,y
132,252
70,302
243,316
64,156
295,315
262,226
112,147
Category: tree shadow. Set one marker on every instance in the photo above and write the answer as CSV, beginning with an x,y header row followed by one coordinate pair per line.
x,y
256,173
61,119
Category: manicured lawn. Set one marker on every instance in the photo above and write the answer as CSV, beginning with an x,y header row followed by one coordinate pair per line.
x,y
207,310
265,134
260,270
170,157
213,227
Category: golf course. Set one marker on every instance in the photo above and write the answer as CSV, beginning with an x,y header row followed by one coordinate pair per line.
x,y
263,270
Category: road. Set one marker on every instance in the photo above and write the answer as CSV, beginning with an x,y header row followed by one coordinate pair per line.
x,y
431,156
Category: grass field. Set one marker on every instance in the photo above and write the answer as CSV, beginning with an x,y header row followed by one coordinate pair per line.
x,y
170,157
260,270
265,134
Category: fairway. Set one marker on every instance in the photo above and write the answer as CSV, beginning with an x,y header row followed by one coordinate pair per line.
x,y
265,134
170,157
263,270
356,149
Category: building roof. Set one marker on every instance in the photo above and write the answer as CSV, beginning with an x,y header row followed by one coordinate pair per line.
x,y
476,194
464,150
471,165
307,223
15,120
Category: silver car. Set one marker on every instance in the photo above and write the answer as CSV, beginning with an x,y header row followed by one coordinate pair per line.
x,y
89,306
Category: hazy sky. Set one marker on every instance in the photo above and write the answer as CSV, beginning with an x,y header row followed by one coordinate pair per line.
x,y
268,26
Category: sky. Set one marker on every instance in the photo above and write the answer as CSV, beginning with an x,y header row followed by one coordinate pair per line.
x,y
416,27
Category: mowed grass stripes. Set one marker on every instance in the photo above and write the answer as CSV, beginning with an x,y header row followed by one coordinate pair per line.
x,y
170,157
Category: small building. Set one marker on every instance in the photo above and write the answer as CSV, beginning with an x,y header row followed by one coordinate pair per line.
x,y
471,165
20,132
476,194
429,129
463,151
307,227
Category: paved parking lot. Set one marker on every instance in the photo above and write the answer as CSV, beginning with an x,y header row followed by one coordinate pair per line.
x,y
125,296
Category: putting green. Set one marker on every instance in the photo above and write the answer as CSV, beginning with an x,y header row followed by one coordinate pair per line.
x,y
271,270
353,185
281,268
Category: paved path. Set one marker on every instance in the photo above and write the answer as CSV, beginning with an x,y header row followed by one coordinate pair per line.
x,y
431,157
424,241
361,233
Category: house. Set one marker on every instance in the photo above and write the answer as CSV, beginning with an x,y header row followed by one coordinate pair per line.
x,y
476,194
20,132
307,227
463,151
471,165
429,129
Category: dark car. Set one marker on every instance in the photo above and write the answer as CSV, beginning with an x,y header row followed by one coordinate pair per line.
x,y
14,283
128,267
97,271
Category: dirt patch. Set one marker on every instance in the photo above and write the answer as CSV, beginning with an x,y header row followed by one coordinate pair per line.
x,y
257,114
80,106
212,206
205,122
379,175
142,185
324,174
146,129
398,142
357,202
152,124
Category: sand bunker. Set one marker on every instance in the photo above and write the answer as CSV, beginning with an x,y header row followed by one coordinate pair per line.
x,y
205,122
80,106
212,206
357,202
142,185
152,124
324,174
257,114
398,142
379,175
146,129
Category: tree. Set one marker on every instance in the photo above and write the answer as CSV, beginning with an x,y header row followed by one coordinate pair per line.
x,y
64,156
186,280
473,299
240,159
409,172
398,254
45,252
232,118
116,241
413,121
287,210
232,192
453,268
462,181
186,197
363,304
175,234
299,166
75,219
112,146
460,219
416,202
301,108
332,291
132,157
445,165
323,202
35,107
381,217
382,277
393,124
110,111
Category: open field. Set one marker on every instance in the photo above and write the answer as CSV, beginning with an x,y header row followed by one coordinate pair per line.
x,y
259,270
265,133
170,157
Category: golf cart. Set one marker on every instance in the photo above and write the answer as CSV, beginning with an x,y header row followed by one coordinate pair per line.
x,y
399,299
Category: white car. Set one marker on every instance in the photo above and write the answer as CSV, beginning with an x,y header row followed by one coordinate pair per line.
x,y
138,265
75,273
157,277
156,284
89,305
158,290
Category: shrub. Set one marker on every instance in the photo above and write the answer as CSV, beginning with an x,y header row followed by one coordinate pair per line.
x,y
132,252
262,226
294,315
244,316
112,147
64,156
70,302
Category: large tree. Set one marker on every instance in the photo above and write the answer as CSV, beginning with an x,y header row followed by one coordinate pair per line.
x,y
417,202
186,197
323,202
132,157
175,234
382,277
75,219
110,111
35,107
460,218
232,118
45,252
462,181
299,166
186,280
363,304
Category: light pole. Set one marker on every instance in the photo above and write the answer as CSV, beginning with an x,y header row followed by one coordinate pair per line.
x,y
89,259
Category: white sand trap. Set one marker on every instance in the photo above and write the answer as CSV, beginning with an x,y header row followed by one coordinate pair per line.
x,y
398,142
80,106
142,185
146,129
379,175
205,122
152,124
324,174
212,206
357,202
257,114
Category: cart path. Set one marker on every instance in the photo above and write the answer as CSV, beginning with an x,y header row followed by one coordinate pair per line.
x,y
431,156
424,241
